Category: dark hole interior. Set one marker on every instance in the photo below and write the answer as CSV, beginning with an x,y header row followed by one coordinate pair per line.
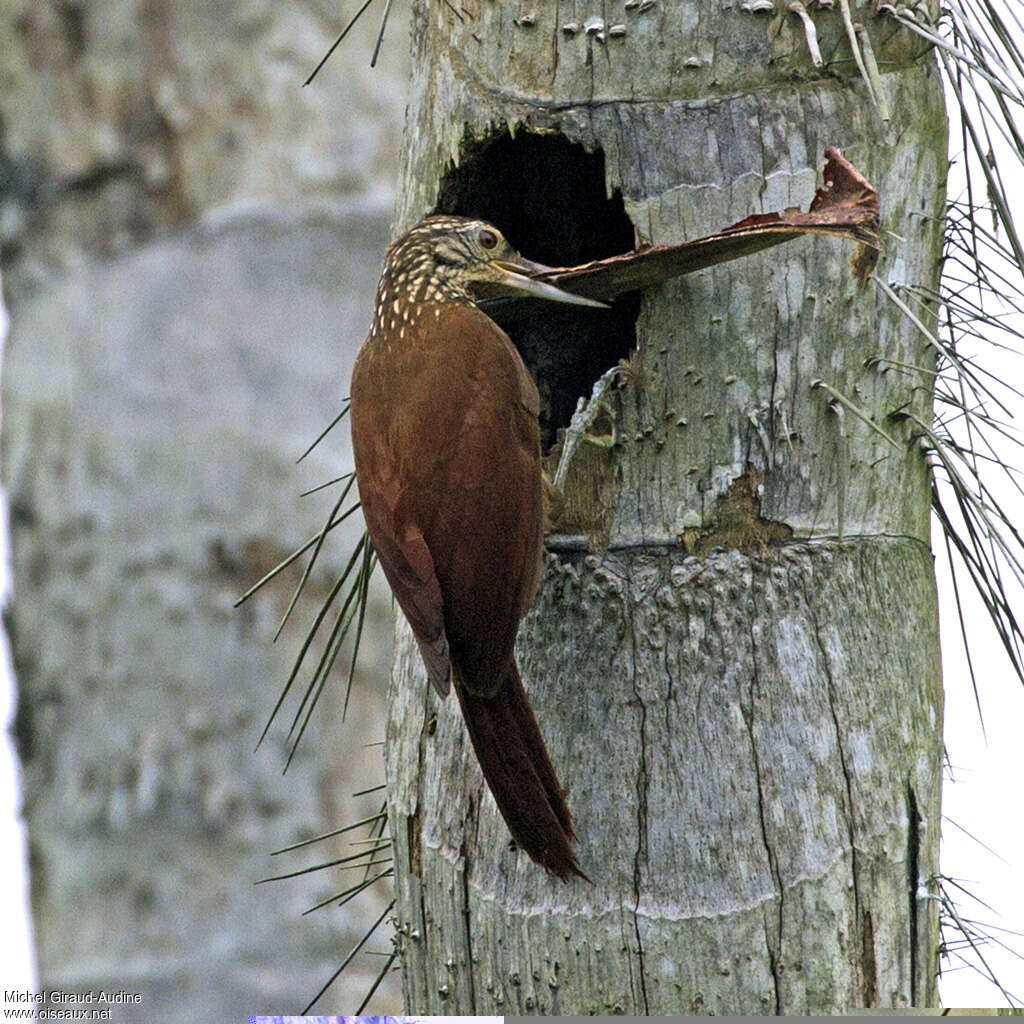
x,y
547,196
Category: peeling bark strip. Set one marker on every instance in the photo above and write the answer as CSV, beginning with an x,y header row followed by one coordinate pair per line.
x,y
734,649
846,207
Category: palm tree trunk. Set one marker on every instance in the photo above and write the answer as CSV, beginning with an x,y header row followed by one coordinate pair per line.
x,y
734,653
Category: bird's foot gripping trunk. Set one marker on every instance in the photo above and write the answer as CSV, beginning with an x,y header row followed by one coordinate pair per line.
x,y
517,768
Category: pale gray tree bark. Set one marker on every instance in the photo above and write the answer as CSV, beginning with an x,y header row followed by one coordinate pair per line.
x,y
734,653
189,243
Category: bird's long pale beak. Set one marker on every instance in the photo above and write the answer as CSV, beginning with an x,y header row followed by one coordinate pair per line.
x,y
517,278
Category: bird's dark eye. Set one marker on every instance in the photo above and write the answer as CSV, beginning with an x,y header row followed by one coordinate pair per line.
x,y
488,239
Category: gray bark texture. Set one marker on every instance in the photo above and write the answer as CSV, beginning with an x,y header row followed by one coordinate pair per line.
x,y
191,243
734,652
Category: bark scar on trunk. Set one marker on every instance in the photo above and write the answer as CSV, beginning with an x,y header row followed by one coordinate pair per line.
x,y
737,522
913,869
869,990
415,861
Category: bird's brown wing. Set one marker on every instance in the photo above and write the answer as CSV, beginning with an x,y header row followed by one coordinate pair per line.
x,y
484,531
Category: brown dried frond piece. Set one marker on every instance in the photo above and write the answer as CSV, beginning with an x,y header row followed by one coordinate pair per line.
x,y
846,206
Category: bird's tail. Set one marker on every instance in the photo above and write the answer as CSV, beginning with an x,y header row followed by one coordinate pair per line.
x,y
517,768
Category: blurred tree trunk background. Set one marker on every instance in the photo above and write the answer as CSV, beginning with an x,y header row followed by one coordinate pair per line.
x,y
190,245
734,654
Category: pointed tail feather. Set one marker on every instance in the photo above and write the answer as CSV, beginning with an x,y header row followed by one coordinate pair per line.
x,y
517,768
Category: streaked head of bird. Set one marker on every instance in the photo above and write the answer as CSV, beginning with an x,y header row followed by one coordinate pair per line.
x,y
446,259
